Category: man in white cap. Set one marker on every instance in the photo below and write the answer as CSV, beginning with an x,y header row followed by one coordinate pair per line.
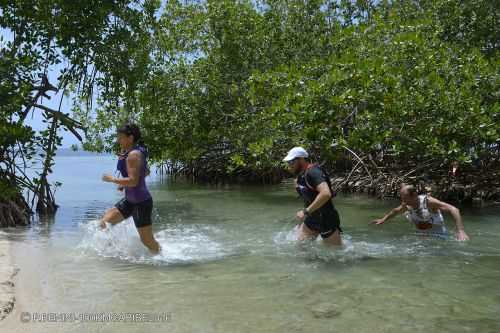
x,y
319,217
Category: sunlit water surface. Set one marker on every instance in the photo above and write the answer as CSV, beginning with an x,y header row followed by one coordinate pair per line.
x,y
230,263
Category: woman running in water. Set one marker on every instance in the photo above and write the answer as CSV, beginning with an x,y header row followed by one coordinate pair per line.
x,y
137,201
424,212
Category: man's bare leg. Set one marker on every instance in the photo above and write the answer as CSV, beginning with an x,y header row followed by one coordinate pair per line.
x,y
334,239
147,238
112,216
304,233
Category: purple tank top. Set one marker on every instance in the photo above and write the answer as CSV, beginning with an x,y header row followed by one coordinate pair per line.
x,y
140,192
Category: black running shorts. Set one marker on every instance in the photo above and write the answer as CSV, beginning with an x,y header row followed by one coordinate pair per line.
x,y
141,212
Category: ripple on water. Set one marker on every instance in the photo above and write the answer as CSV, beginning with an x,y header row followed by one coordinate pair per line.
x,y
415,245
351,250
198,243
180,244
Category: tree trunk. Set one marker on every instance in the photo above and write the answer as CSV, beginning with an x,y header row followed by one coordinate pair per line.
x,y
14,212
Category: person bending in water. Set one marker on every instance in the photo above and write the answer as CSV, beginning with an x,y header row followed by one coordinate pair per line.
x,y
137,201
425,212
319,217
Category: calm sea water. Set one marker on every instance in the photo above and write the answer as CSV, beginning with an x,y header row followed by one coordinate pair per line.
x,y
231,264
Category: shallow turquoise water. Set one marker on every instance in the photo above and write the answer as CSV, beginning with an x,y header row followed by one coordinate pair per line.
x,y
232,264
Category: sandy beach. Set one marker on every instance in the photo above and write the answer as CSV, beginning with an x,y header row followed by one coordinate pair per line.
x,y
7,274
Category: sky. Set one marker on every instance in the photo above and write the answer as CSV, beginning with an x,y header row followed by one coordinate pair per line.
x,y
35,118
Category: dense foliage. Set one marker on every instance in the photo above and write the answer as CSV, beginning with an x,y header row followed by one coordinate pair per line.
x,y
233,84
224,88
76,42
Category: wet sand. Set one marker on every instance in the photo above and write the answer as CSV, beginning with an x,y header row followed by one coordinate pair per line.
x,y
7,274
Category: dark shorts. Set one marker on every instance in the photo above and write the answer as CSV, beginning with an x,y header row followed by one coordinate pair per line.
x,y
324,223
141,212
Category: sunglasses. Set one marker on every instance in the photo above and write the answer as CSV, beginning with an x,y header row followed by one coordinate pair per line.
x,y
291,161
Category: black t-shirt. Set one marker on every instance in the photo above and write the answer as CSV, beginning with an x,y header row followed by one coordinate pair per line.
x,y
315,176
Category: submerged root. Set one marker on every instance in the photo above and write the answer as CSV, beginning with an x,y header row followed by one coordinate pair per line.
x,y
473,188
14,212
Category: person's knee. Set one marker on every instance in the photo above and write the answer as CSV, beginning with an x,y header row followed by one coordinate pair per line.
x,y
308,231
305,233
107,214
112,216
334,239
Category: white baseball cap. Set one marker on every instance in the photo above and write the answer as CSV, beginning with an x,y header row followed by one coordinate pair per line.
x,y
294,153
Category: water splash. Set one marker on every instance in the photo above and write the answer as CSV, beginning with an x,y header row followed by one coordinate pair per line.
x,y
354,249
287,241
179,244
199,243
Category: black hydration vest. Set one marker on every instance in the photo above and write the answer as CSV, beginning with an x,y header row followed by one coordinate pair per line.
x,y
309,193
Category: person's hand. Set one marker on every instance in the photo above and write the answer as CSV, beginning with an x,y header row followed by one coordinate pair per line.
x,y
462,236
107,178
300,215
102,224
120,188
378,221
